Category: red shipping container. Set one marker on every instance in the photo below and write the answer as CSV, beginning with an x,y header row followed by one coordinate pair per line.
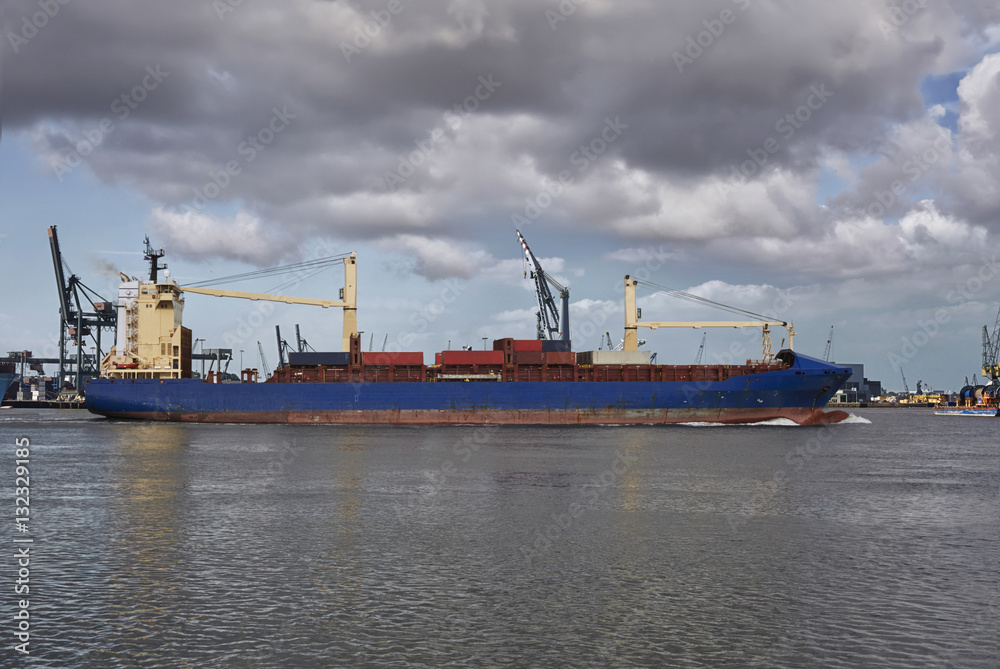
x,y
529,358
437,358
500,344
392,358
560,358
472,357
528,345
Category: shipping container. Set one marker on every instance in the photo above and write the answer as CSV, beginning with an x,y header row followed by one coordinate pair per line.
x,y
529,358
552,345
392,358
613,357
527,345
313,358
472,357
560,358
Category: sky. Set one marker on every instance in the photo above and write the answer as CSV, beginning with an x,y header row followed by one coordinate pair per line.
x,y
830,164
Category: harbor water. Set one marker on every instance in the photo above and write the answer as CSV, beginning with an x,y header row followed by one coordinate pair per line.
x,y
871,543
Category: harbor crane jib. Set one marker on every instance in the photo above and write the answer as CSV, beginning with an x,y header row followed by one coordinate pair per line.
x,y
633,313
553,323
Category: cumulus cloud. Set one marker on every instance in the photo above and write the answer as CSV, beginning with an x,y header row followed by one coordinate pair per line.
x,y
242,237
438,258
412,92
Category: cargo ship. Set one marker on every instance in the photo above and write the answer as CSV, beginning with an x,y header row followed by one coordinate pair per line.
x,y
147,375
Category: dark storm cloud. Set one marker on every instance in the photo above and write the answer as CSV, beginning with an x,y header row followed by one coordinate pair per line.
x,y
367,90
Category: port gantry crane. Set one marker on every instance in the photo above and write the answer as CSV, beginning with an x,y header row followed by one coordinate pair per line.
x,y
633,314
991,351
551,321
701,349
79,318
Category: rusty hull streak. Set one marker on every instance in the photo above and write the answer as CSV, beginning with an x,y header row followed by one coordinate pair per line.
x,y
799,415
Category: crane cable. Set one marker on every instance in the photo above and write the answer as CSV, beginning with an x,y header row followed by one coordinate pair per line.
x,y
311,266
689,297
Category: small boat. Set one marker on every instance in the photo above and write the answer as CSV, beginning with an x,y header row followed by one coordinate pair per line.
x,y
973,401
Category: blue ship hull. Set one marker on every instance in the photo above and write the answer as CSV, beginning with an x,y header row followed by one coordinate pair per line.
x,y
988,411
798,393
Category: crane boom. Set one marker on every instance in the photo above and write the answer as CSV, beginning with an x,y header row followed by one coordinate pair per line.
x,y
348,295
550,320
632,323
218,292
829,345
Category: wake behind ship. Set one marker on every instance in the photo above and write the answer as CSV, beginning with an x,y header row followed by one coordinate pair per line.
x,y
147,375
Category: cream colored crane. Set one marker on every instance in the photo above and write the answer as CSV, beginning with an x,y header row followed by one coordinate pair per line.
x,y
348,298
632,323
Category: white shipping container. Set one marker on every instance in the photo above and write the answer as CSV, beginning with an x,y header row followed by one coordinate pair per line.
x,y
613,357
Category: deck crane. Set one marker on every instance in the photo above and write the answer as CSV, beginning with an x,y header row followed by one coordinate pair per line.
x,y
348,298
829,345
991,351
551,321
633,314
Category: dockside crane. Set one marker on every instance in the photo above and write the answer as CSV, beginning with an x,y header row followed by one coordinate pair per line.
x,y
905,386
701,349
263,361
552,321
82,313
991,351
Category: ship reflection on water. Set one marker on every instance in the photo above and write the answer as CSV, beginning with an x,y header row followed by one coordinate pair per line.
x,y
316,546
